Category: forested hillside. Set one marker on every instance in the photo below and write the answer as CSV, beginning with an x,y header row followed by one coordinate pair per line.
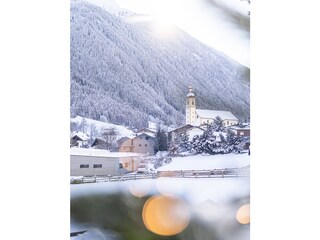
x,y
124,72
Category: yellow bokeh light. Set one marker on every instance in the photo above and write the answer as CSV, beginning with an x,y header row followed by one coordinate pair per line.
x,y
165,215
243,214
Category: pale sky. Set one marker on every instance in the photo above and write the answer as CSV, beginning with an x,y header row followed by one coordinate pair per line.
x,y
201,20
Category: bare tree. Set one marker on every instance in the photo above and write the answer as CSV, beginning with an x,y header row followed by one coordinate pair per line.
x,y
109,135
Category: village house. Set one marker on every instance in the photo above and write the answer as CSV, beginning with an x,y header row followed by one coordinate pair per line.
x,y
241,131
97,162
244,132
175,136
79,139
141,143
197,117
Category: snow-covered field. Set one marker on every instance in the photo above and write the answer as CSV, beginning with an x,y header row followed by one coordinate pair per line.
x,y
200,162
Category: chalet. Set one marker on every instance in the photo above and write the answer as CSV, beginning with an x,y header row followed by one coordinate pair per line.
x,y
141,143
97,162
196,117
78,139
241,131
175,136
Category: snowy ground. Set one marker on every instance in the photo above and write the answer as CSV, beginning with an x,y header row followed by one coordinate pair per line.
x,y
200,162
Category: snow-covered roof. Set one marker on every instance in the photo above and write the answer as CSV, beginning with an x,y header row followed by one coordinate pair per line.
x,y
225,115
80,135
147,133
190,94
143,130
195,130
240,128
188,126
153,126
100,153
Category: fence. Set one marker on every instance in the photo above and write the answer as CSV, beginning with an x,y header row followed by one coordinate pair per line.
x,y
214,173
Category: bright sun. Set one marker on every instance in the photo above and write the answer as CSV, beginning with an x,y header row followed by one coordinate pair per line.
x,y
164,24
166,17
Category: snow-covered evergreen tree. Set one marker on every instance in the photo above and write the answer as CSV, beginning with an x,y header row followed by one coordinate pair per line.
x,y
185,144
161,140
216,139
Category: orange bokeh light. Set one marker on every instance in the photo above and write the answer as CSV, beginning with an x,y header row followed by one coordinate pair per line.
x,y
165,215
243,214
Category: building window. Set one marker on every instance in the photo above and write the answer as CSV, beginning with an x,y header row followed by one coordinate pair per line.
x,y
207,121
120,165
147,138
192,102
146,145
84,165
126,164
227,122
139,145
97,165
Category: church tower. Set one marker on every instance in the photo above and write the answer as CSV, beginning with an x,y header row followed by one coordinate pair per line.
x,y
191,107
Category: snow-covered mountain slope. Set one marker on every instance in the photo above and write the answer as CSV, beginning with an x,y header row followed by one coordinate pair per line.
x,y
122,69
96,128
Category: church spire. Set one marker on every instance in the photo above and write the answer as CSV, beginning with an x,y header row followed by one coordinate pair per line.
x,y
190,94
190,107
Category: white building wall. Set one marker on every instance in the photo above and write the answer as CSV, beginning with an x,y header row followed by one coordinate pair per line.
x,y
225,122
110,165
190,115
143,144
228,122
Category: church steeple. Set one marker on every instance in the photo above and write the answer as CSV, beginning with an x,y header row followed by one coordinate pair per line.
x,y
191,107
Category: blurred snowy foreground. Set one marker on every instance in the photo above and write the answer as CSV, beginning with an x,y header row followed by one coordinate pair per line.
x,y
206,208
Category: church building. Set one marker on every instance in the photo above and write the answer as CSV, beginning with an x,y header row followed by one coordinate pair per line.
x,y
197,117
